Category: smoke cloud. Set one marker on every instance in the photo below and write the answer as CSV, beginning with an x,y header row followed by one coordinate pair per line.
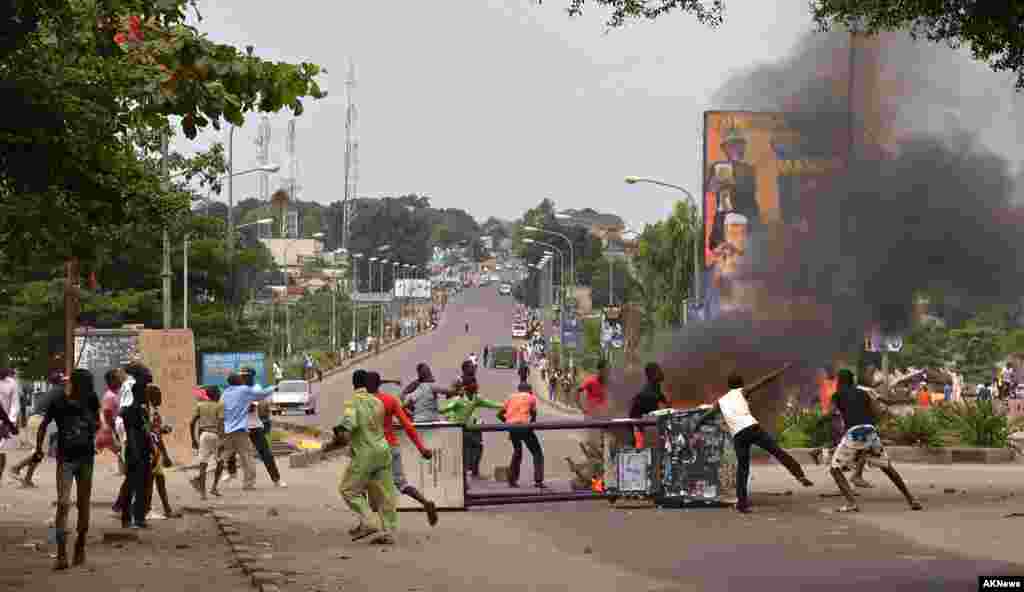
x,y
937,212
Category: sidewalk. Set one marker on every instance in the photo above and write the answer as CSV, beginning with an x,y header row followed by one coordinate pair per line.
x,y
172,555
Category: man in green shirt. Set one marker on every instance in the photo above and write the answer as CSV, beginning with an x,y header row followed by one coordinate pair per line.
x,y
369,472
461,409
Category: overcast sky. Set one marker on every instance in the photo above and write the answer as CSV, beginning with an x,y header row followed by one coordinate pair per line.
x,y
491,105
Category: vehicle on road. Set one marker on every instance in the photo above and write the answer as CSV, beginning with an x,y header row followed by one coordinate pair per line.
x,y
501,356
292,395
505,289
519,331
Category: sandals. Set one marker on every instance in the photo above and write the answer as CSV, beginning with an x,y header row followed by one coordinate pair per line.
x,y
862,483
361,532
916,505
383,539
848,509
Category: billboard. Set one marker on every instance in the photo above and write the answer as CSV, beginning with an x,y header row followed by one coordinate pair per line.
x,y
760,170
217,367
412,288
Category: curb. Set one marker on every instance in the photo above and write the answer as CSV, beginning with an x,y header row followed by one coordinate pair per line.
x,y
348,363
264,581
919,455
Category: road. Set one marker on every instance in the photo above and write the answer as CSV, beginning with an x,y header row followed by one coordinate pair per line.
x,y
490,318
791,542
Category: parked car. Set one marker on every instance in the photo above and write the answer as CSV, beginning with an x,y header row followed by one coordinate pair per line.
x,y
292,395
505,289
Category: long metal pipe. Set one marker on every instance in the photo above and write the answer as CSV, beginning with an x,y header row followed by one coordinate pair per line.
x,y
537,498
562,425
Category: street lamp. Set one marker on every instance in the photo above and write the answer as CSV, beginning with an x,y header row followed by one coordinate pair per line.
x,y
184,275
369,308
696,237
572,255
355,289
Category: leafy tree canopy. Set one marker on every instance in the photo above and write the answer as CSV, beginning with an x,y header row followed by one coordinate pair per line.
x,y
90,89
992,30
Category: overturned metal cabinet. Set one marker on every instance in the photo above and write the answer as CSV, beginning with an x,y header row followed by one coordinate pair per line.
x,y
442,478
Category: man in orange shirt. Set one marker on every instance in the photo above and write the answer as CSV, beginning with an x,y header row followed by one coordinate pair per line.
x,y
521,409
393,410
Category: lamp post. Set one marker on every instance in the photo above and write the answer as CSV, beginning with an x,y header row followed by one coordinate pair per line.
x,y
287,297
696,238
270,168
383,264
572,255
369,308
355,289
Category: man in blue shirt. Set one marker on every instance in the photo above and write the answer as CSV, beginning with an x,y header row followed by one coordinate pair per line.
x,y
236,398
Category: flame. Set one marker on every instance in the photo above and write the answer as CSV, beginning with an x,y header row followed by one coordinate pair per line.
x,y
597,485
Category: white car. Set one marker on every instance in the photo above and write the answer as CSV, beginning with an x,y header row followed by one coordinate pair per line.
x,y
519,331
505,289
292,395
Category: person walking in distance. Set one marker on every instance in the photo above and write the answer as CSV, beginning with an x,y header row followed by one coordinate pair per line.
x,y
206,429
57,381
746,431
461,409
368,475
138,445
392,411
10,409
237,398
521,409
854,420
77,416
486,352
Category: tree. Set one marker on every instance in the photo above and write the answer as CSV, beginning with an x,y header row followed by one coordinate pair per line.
x,y
977,347
709,12
92,88
664,265
622,282
927,346
990,29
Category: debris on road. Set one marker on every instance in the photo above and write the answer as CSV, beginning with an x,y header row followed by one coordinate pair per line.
x,y
949,490
587,550
1014,515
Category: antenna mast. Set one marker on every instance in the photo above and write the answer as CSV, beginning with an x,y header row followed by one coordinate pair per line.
x,y
351,153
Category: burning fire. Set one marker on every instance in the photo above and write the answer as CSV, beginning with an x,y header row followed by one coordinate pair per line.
x,y
597,485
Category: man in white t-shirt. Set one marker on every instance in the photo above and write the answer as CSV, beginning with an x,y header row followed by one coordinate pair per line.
x,y
746,431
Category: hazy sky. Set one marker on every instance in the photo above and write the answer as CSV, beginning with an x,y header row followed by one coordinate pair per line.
x,y
492,105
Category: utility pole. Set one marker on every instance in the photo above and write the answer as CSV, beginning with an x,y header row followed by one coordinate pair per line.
x,y
165,275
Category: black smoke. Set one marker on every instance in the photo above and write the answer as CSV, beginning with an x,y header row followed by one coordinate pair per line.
x,y
933,213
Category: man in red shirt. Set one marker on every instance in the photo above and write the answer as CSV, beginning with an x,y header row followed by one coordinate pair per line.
x,y
596,388
392,410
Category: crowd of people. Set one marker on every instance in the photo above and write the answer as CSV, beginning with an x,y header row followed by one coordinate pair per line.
x,y
231,424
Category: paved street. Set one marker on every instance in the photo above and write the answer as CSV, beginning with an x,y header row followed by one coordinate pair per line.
x,y
793,541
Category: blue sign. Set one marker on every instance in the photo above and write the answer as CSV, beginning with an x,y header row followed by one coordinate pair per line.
x,y
568,338
217,367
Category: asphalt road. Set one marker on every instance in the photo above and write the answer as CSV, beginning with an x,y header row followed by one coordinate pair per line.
x,y
792,542
490,317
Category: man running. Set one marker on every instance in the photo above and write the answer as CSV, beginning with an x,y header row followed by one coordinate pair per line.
x,y
393,410
461,409
521,409
57,380
369,472
746,431
855,417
